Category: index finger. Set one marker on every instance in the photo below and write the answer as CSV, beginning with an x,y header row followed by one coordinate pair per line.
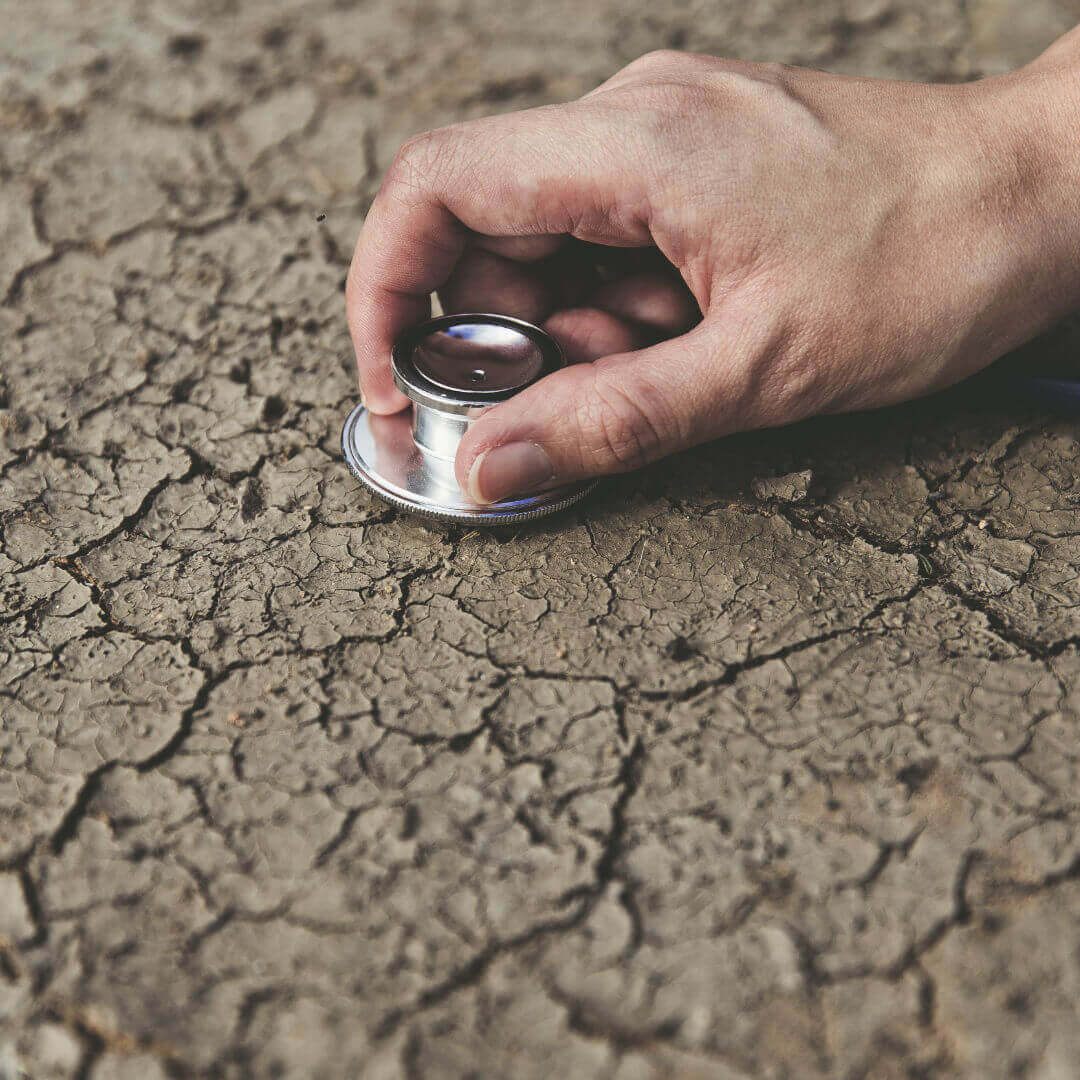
x,y
527,174
406,250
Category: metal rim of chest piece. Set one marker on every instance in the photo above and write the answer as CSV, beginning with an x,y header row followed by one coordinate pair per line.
x,y
452,369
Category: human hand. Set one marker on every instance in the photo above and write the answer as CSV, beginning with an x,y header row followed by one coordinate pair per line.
x,y
721,246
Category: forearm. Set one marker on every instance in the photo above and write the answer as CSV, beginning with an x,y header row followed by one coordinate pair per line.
x,y
1032,121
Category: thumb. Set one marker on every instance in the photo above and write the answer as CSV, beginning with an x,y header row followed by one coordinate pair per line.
x,y
613,415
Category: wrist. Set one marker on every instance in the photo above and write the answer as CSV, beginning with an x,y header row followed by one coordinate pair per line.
x,y
1028,195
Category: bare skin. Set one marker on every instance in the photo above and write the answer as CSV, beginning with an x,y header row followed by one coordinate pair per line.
x,y
722,246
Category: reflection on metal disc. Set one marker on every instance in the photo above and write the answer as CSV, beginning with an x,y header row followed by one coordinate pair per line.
x,y
478,357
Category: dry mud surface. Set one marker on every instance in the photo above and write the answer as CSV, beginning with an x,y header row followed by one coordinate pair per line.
x,y
763,763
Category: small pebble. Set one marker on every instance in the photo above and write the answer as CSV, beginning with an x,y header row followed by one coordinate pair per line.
x,y
792,488
983,524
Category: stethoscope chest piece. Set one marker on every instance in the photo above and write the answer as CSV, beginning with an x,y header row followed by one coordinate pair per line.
x,y
451,368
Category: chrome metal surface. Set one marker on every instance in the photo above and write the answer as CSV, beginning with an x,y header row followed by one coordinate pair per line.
x,y
452,368
477,356
382,454
437,432
459,363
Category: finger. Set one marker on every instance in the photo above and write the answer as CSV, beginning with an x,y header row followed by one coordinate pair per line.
x,y
588,333
521,248
609,416
549,178
405,251
621,262
485,282
526,289
661,302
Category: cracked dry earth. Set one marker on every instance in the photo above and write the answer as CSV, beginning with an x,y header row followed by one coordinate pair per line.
x,y
760,764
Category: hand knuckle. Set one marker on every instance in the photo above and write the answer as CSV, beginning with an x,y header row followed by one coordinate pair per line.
x,y
618,431
659,99
752,86
658,58
776,71
415,159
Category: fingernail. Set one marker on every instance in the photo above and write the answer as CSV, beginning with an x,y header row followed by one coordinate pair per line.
x,y
363,400
513,469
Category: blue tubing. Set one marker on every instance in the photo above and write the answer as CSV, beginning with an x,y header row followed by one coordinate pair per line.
x,y
1062,395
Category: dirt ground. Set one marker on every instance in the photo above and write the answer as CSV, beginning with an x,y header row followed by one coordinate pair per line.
x,y
762,763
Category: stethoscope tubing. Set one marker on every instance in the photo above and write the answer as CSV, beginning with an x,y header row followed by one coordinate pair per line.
x,y
1061,395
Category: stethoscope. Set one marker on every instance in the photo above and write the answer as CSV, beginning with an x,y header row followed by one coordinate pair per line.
x,y
1059,395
